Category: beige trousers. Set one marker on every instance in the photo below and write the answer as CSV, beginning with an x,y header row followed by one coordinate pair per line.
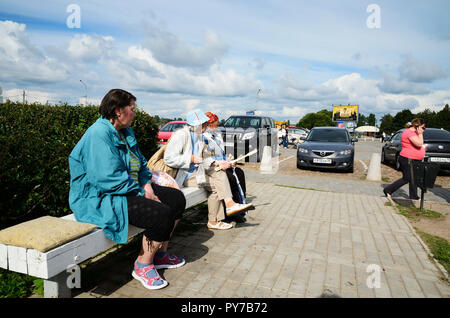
x,y
218,189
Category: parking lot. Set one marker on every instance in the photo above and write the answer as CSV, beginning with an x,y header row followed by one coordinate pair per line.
x,y
363,153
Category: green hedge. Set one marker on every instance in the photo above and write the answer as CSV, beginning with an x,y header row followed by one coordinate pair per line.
x,y
36,141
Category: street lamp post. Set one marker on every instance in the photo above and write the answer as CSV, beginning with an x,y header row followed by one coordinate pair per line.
x,y
85,96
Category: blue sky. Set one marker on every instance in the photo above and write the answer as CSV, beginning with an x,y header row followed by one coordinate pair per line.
x,y
215,55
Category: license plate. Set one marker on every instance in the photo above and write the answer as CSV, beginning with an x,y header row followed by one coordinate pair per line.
x,y
317,160
228,144
438,159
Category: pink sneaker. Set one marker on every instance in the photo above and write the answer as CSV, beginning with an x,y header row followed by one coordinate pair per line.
x,y
168,261
149,277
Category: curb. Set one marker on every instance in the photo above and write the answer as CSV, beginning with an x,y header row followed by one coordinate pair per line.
x,y
424,245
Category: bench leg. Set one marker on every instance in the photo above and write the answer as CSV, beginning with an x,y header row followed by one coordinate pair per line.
x,y
56,287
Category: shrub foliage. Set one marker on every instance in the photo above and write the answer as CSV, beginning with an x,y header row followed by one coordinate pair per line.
x,y
36,141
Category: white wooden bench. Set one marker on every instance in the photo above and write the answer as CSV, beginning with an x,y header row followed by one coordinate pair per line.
x,y
53,265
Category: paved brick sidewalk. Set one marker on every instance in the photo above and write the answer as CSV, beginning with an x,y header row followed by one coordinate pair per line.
x,y
333,184
301,243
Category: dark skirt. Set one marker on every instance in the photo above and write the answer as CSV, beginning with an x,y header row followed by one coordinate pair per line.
x,y
156,218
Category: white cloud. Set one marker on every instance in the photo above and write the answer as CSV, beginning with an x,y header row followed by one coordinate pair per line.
x,y
21,60
89,48
154,76
190,104
420,72
393,85
170,49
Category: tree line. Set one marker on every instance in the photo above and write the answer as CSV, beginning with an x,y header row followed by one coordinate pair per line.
x,y
441,119
388,123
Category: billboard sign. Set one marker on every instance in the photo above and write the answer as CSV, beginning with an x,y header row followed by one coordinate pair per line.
x,y
345,113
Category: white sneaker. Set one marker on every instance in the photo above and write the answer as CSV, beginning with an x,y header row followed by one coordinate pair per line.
x,y
238,208
220,226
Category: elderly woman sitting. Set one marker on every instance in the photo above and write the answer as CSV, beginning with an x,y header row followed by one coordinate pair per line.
x,y
235,175
185,151
110,186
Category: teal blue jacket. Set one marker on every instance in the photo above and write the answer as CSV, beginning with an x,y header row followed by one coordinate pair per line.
x,y
99,178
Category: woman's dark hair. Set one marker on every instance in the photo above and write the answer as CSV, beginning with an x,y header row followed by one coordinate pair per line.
x,y
115,98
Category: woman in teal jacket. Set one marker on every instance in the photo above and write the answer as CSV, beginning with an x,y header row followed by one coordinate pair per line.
x,y
110,186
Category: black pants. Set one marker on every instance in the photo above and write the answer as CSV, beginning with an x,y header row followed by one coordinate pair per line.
x,y
156,218
233,183
407,177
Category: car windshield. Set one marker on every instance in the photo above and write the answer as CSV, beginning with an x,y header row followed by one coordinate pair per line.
x,y
173,126
431,134
296,131
328,135
243,122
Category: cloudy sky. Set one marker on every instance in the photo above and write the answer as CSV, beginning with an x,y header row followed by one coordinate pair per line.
x,y
177,55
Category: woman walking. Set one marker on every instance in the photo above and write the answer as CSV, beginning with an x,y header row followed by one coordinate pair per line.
x,y
412,150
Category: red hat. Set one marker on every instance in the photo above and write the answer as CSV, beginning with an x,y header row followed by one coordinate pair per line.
x,y
212,117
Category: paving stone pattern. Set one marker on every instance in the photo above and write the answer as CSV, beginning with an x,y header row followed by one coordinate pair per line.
x,y
302,243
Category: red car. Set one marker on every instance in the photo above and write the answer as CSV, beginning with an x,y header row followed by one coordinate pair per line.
x,y
166,131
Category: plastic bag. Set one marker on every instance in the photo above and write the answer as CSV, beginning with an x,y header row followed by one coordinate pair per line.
x,y
200,177
164,179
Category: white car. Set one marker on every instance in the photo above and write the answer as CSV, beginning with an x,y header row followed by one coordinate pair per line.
x,y
294,135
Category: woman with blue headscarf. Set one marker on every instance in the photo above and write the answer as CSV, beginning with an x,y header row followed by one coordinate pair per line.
x,y
186,151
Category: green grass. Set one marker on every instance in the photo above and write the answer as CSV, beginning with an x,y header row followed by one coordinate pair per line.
x,y
439,247
15,285
414,213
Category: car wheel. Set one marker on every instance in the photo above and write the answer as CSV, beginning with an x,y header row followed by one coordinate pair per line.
x,y
383,157
299,166
397,163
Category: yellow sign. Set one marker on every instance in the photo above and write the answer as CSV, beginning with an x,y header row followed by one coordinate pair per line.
x,y
281,122
345,113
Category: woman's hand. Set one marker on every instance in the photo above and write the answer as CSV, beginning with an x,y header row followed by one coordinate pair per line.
x,y
149,194
224,165
420,130
196,159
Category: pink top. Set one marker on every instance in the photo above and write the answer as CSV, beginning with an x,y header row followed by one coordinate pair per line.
x,y
409,150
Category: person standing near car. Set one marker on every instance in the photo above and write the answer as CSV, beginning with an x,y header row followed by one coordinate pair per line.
x,y
412,150
284,136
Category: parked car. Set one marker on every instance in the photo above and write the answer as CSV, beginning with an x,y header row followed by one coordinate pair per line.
x,y
167,130
327,147
437,148
295,134
242,134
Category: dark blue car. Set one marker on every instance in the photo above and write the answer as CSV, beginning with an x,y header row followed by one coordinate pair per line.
x,y
327,147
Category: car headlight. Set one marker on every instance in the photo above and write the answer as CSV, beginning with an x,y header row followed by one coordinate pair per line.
x,y
345,152
302,150
248,135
